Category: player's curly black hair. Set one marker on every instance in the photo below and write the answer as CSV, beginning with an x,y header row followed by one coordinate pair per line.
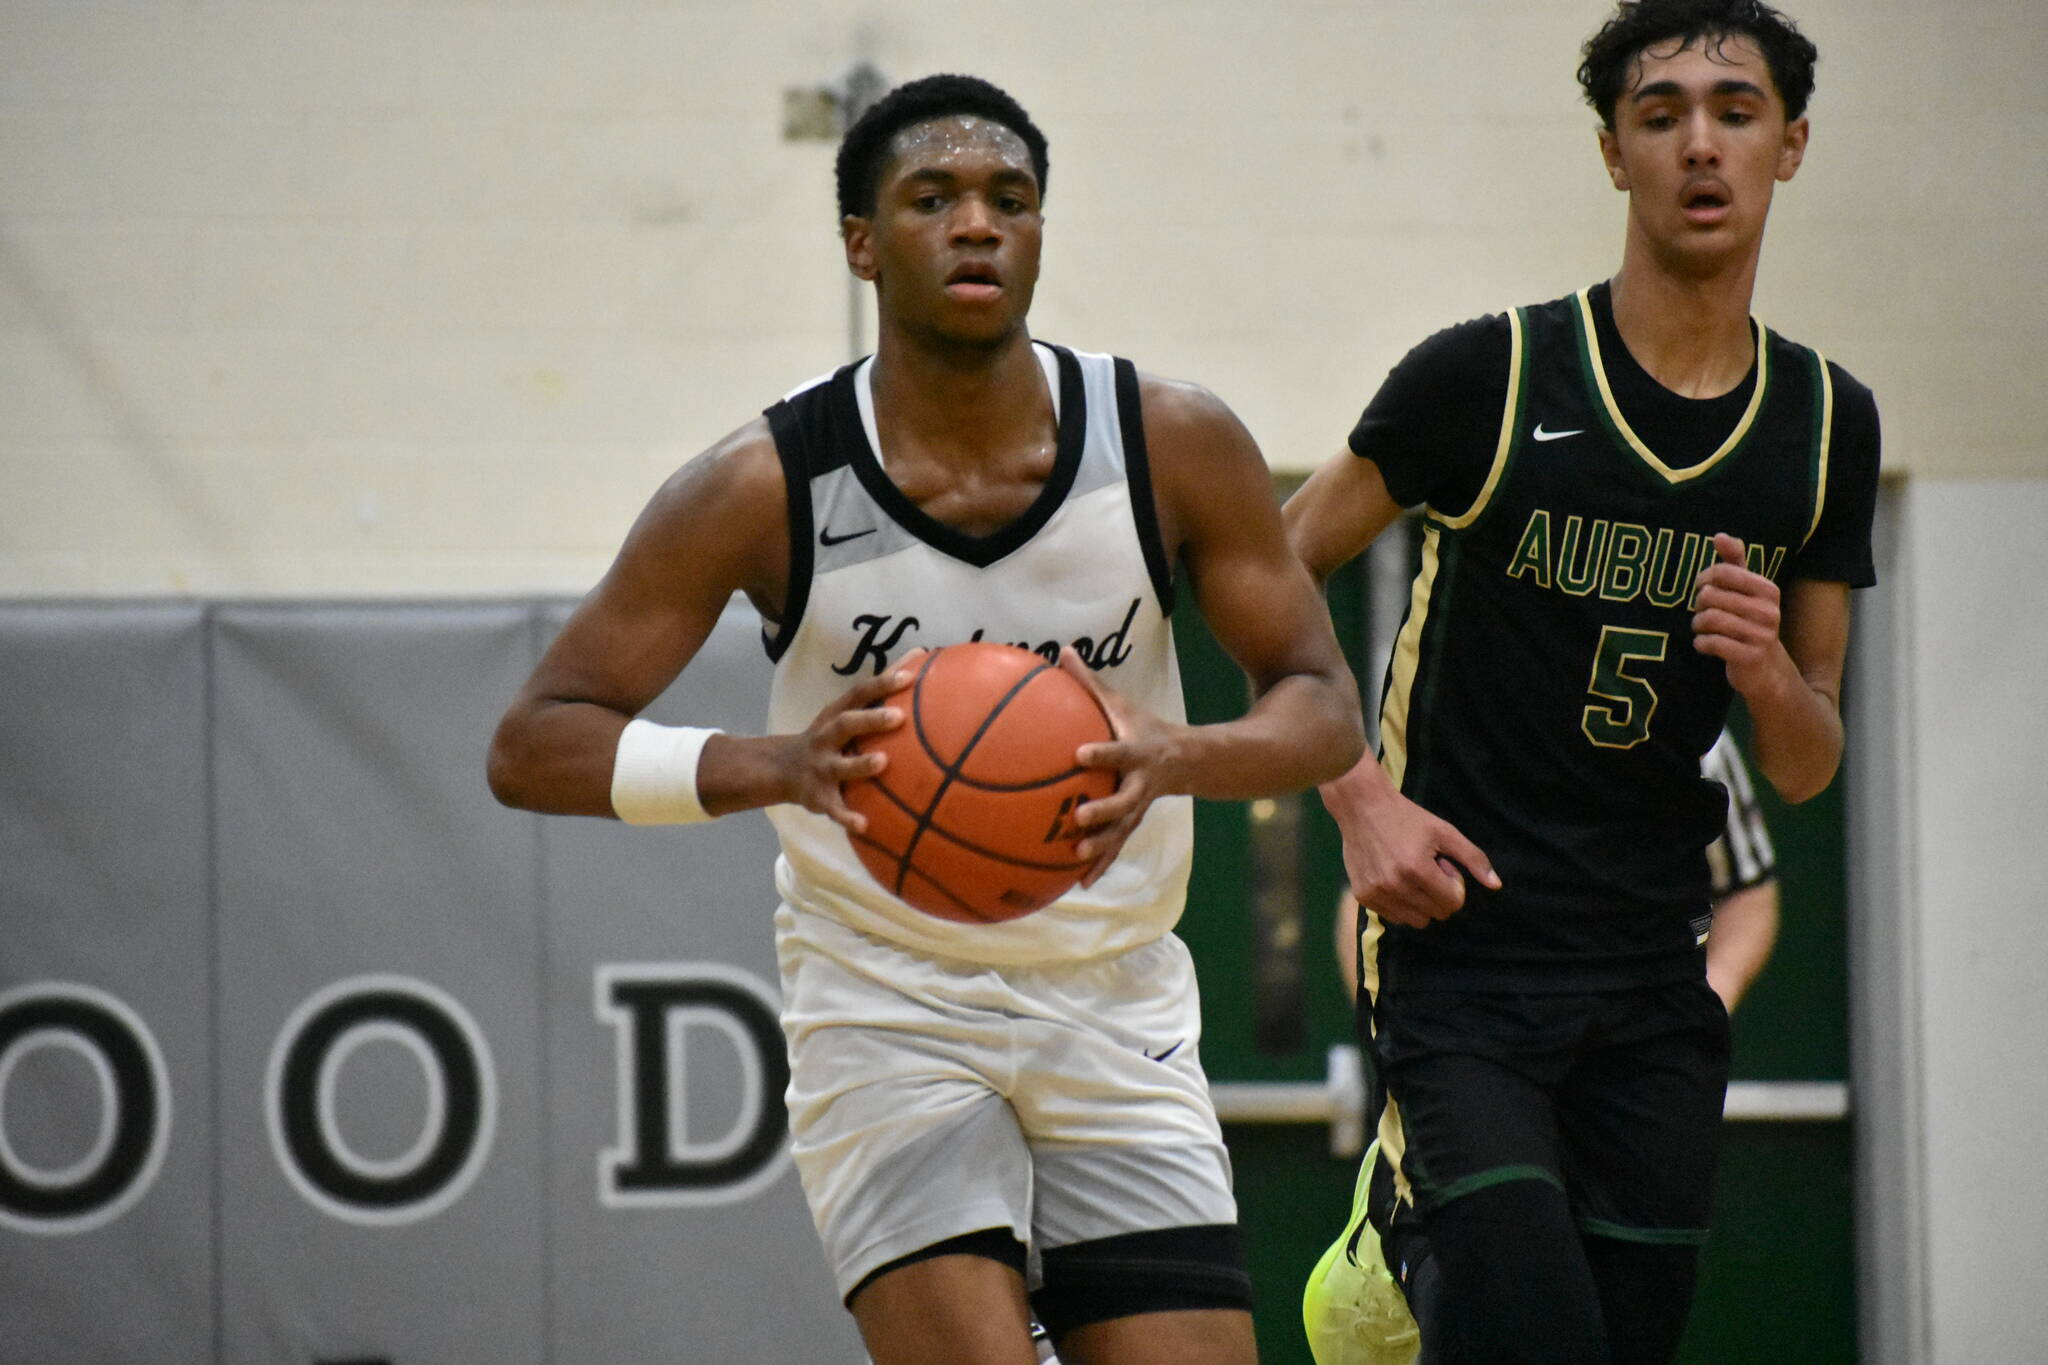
x,y
866,145
1610,54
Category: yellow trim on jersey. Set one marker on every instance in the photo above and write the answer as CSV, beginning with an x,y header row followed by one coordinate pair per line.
x,y
1370,932
1506,444
1394,1146
1599,368
1827,430
1394,759
1407,656
1393,1141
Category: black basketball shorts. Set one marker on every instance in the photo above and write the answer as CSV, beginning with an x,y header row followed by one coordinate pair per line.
x,y
1613,1097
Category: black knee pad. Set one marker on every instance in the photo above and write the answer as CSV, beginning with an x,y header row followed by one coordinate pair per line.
x,y
1169,1270
996,1244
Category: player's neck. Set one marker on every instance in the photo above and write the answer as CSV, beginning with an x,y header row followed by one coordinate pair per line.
x,y
971,402
1690,332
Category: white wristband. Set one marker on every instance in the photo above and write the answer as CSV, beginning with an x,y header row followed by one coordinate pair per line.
x,y
654,774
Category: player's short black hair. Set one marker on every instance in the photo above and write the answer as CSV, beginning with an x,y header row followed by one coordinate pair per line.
x,y
866,145
1610,54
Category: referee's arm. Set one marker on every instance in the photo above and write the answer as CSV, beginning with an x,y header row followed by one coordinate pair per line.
x,y
1745,881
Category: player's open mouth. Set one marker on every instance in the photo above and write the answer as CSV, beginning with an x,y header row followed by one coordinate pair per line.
x,y
975,282
1705,203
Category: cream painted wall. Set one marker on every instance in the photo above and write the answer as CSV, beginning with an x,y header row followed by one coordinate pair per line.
x,y
406,296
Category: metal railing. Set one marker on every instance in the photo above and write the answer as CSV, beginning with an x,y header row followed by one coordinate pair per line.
x,y
1339,1100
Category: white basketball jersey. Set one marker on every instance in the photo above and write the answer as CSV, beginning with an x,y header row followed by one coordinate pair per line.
x,y
872,578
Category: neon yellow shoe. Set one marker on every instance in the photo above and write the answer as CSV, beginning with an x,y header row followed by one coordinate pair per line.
x,y
1353,1311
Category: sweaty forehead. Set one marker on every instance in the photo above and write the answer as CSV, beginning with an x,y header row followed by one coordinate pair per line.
x,y
938,141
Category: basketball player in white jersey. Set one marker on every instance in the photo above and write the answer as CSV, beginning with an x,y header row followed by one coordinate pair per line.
x,y
998,1120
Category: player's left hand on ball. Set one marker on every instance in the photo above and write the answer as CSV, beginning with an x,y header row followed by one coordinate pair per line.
x,y
1736,617
1139,755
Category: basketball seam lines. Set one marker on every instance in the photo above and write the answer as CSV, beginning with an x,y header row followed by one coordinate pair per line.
x,y
950,770
936,884
969,844
1011,788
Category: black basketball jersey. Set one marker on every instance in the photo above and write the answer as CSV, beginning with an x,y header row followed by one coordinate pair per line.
x,y
1544,694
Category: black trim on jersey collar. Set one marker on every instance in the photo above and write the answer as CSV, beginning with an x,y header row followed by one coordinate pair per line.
x,y
796,480
980,551
1138,476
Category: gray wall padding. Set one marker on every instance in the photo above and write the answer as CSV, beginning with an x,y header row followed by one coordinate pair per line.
x,y
388,1009
104,897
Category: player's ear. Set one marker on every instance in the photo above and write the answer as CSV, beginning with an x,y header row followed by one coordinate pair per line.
x,y
1610,152
857,235
1792,151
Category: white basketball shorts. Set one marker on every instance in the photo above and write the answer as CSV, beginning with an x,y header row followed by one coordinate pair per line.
x,y
930,1097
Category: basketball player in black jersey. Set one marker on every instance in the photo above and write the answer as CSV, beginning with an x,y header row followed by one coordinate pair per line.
x,y
1742,892
940,187
1636,503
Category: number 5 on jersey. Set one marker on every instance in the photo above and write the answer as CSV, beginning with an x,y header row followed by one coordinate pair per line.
x,y
1620,719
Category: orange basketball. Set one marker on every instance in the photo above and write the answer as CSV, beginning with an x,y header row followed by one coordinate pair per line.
x,y
973,818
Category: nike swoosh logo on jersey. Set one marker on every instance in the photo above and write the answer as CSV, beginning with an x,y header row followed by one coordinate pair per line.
x,y
1542,435
827,538
1164,1055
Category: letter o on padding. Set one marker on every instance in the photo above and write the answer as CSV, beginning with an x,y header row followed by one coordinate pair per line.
x,y
121,1161
456,1130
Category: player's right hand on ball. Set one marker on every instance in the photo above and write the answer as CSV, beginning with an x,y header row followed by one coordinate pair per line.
x,y
1404,863
816,761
